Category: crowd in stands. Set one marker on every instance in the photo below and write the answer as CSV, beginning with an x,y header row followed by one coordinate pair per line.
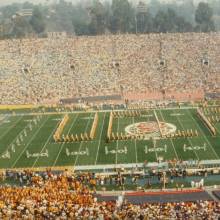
x,y
46,70
65,196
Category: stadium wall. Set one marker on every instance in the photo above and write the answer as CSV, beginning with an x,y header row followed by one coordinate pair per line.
x,y
15,107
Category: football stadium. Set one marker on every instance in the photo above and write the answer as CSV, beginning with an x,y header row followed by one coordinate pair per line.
x,y
124,137
110,110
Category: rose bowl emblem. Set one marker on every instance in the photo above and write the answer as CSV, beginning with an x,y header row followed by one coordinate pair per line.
x,y
147,127
150,129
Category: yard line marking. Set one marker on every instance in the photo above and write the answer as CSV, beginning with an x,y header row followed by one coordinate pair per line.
x,y
146,140
55,127
17,136
82,141
158,123
188,138
14,124
154,146
213,150
135,145
170,139
217,129
62,145
100,139
116,155
3,119
33,136
154,143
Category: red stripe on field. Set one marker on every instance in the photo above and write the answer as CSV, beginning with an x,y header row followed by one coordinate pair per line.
x,y
163,193
158,193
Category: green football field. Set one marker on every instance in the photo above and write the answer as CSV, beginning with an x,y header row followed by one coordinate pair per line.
x,y
26,141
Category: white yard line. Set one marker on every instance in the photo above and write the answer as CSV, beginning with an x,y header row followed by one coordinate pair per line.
x,y
170,139
190,142
46,143
62,145
217,129
17,136
158,123
14,124
4,117
154,145
116,155
135,144
33,136
82,141
208,142
100,139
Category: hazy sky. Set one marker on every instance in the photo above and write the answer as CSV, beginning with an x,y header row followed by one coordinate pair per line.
x,y
7,2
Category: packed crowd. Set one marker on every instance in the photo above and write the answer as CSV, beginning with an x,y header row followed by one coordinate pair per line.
x,y
64,196
46,70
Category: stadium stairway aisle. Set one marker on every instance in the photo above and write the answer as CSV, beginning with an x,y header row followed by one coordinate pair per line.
x,y
216,195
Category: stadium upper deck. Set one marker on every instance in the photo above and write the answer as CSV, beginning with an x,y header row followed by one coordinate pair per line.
x,y
46,70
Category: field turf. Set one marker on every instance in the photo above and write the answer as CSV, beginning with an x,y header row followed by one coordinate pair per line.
x,y
17,138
